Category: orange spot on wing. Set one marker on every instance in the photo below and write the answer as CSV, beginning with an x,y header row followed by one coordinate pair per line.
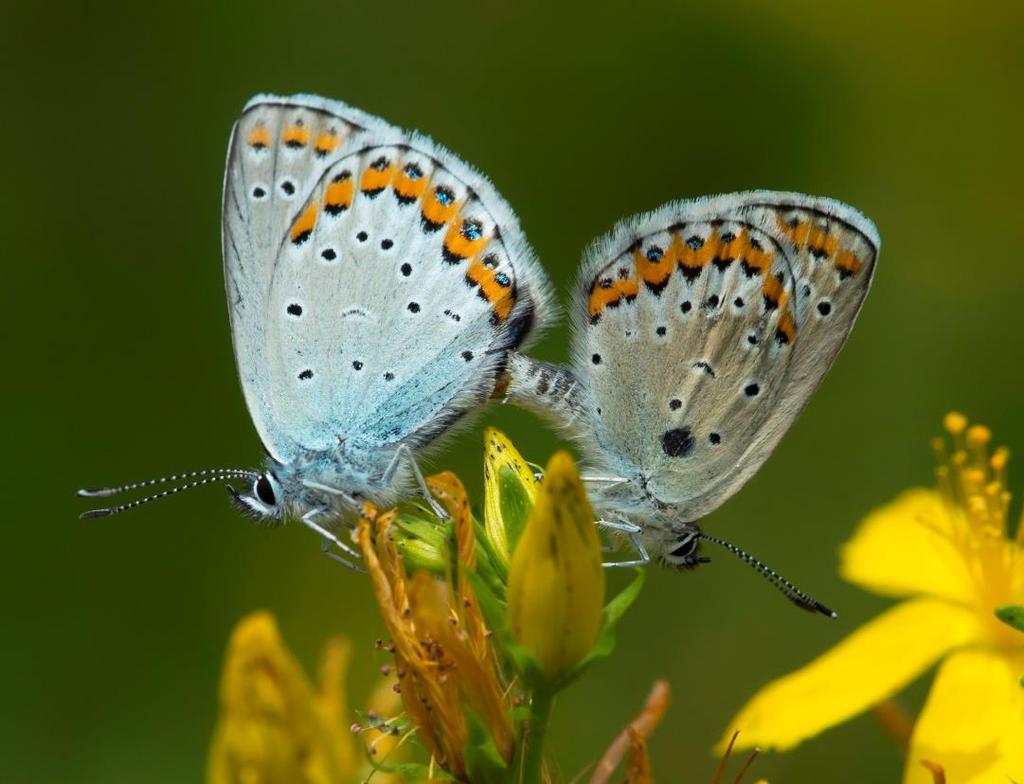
x,y
758,260
610,293
458,246
600,298
406,187
693,260
497,287
327,142
259,137
786,328
338,195
822,242
735,248
774,292
847,261
796,232
295,136
436,212
655,273
305,223
375,180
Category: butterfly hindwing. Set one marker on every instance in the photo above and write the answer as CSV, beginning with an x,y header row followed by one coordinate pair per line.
x,y
382,314
704,328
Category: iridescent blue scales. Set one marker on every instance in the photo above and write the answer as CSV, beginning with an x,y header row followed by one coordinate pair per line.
x,y
701,330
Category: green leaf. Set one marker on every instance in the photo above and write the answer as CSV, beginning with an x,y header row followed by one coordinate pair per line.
x,y
1012,615
515,504
611,615
411,770
483,762
488,565
421,539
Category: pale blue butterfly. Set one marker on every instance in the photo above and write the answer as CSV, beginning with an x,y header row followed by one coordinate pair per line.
x,y
700,331
375,286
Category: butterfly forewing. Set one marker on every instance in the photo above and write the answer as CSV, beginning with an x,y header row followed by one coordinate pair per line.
x,y
279,148
704,329
383,285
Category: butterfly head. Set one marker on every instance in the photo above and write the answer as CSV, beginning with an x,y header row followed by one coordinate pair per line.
x,y
263,501
684,552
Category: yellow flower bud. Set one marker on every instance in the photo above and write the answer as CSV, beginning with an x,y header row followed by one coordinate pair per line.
x,y
509,493
556,582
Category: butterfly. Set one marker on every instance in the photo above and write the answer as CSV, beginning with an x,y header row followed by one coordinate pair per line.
x,y
700,331
375,285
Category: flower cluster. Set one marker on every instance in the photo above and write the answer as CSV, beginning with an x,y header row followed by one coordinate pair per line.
x,y
488,620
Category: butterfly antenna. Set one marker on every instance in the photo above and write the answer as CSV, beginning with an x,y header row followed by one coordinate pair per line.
x,y
791,592
226,473
199,478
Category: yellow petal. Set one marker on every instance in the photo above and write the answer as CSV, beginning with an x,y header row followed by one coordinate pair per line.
x,y
973,721
906,548
868,666
270,727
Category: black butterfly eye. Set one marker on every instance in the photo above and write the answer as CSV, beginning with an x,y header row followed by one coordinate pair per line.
x,y
265,491
687,548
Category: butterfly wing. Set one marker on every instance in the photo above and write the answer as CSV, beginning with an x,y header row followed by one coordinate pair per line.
x,y
374,280
705,326
279,148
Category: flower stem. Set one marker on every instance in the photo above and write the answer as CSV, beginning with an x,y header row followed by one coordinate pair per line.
x,y
533,759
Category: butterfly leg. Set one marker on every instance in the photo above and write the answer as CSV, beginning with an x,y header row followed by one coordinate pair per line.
x,y
607,481
618,525
404,451
632,530
325,548
327,538
610,481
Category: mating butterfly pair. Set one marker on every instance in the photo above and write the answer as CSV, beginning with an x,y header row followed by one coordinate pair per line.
x,y
379,289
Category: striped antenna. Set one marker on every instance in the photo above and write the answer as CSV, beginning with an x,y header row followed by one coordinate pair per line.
x,y
790,591
199,478
103,492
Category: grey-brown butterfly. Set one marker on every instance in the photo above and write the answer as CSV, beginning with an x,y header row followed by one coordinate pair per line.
x,y
700,331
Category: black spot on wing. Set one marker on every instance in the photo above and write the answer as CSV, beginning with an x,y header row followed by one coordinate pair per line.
x,y
678,442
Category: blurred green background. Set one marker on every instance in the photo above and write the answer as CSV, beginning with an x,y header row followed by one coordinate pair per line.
x,y
119,367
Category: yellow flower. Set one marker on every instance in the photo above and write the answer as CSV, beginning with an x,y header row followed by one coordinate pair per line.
x,y
446,666
949,553
556,582
274,727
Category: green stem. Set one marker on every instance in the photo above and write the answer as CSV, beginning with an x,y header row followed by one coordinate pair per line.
x,y
533,759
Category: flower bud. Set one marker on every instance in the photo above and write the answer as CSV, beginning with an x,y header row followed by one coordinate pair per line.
x,y
556,581
509,493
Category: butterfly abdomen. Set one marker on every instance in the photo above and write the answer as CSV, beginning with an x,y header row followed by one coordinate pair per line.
x,y
548,389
